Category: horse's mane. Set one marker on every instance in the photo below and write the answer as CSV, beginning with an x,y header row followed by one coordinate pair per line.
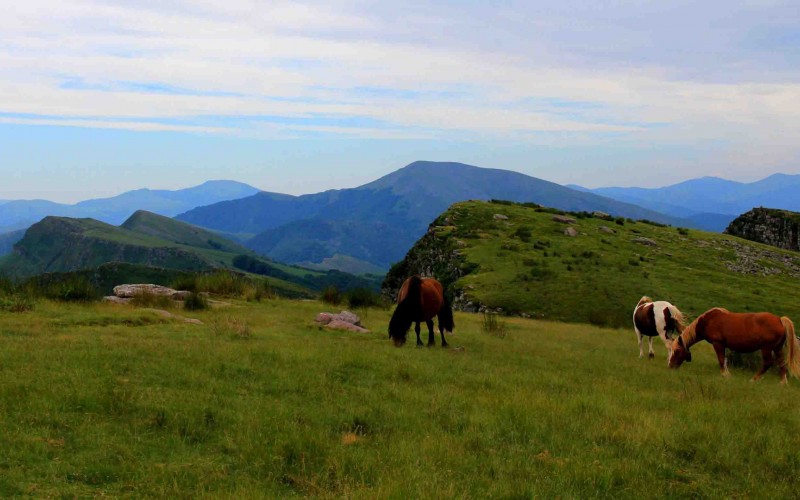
x,y
644,300
689,334
678,318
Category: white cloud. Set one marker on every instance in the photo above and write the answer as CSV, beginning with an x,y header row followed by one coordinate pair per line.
x,y
72,62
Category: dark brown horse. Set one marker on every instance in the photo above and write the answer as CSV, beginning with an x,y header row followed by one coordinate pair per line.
x,y
420,299
742,332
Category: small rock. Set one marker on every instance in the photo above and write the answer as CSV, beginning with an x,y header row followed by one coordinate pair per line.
x,y
349,317
606,229
500,217
130,291
600,215
571,232
115,300
564,219
645,241
338,324
181,295
324,318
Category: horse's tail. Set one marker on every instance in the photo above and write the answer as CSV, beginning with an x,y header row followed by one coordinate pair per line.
x,y
792,360
406,310
445,315
678,318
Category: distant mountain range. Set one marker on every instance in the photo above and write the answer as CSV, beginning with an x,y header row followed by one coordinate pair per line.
x,y
367,228
148,240
20,214
376,223
711,203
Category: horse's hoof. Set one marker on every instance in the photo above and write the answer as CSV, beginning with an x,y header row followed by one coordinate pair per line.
x,y
445,345
651,356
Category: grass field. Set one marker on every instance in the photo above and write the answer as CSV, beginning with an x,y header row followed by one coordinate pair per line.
x,y
259,402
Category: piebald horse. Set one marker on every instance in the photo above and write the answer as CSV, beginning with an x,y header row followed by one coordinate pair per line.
x,y
742,332
656,318
420,299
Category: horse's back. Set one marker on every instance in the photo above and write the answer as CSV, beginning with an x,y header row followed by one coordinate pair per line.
x,y
431,295
650,317
742,331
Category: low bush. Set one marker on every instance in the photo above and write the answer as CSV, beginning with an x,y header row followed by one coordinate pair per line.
x,y
155,301
492,326
363,297
331,296
195,302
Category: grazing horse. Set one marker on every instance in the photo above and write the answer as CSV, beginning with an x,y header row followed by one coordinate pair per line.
x,y
420,299
742,332
656,318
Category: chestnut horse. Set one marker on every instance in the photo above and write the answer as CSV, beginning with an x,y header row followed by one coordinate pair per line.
x,y
420,299
742,332
656,318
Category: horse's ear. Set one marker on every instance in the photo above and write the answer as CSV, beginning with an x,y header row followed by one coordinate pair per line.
x,y
680,342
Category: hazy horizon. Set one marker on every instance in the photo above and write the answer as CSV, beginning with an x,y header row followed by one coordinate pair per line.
x,y
199,183
100,97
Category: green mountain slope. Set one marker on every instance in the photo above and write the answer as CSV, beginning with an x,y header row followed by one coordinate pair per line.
x,y
518,259
64,245
171,230
61,244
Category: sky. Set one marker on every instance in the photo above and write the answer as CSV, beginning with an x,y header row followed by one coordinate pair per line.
x,y
100,97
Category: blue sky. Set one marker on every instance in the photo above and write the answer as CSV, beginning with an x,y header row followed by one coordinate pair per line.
x,y
99,97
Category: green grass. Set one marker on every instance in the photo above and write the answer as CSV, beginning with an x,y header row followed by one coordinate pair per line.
x,y
526,265
258,401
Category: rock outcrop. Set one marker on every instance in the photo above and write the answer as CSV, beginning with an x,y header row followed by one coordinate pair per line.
x,y
778,228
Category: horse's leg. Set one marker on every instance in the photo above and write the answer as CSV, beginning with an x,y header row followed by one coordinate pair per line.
x,y
430,332
639,337
416,330
766,356
723,363
650,352
441,332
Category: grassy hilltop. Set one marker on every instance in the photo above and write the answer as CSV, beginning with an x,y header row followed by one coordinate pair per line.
x,y
518,258
102,400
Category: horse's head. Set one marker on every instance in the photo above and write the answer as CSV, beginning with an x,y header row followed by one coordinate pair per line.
x,y
679,353
397,337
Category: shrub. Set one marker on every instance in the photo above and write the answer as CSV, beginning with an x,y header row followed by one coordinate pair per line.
x,y
492,326
221,282
620,221
17,302
149,299
363,297
232,327
195,302
261,291
523,233
331,295
72,288
683,231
